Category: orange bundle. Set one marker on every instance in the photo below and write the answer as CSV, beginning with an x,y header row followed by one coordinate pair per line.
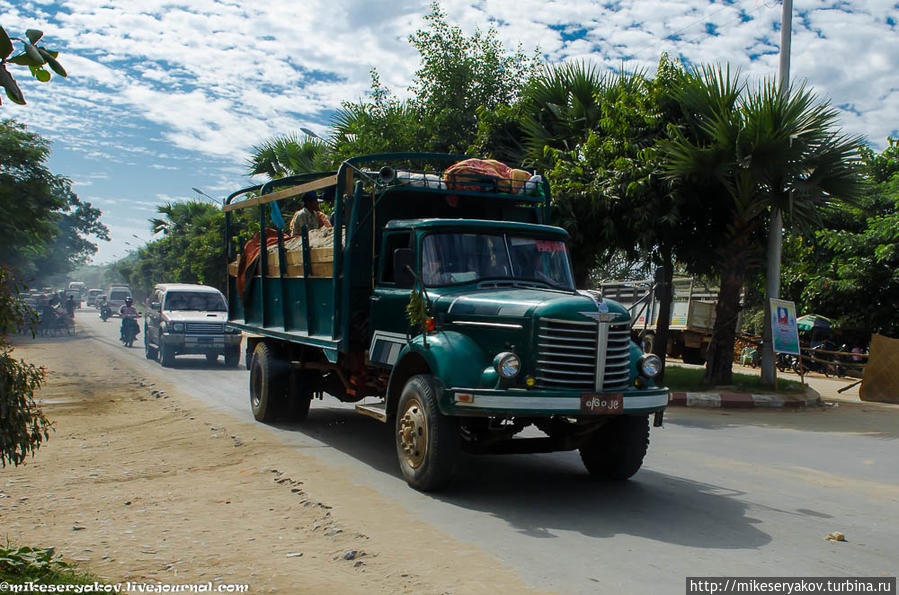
x,y
484,174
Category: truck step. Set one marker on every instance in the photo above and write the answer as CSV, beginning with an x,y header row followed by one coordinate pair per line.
x,y
375,410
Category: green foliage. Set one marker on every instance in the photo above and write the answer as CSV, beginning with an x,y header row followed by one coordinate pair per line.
x,y
44,224
417,310
848,269
459,74
23,426
761,148
461,79
190,251
43,566
288,155
32,56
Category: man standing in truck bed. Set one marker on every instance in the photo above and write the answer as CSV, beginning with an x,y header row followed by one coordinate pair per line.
x,y
309,216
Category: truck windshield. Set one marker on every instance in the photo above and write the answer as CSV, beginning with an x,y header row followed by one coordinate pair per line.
x,y
197,301
454,258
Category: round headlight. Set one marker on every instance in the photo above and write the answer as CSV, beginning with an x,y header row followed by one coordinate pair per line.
x,y
508,365
178,327
650,365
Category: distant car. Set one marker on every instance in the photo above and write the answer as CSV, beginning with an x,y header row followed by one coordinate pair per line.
x,y
115,297
92,295
184,319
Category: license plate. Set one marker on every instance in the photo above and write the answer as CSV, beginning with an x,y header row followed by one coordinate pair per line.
x,y
602,404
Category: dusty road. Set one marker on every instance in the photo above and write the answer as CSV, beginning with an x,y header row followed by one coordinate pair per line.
x,y
721,493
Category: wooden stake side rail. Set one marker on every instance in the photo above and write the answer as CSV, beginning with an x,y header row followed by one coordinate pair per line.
x,y
281,194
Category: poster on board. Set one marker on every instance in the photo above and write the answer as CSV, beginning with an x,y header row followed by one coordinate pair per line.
x,y
784,332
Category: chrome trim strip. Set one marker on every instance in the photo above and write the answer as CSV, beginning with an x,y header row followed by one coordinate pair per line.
x,y
488,324
577,322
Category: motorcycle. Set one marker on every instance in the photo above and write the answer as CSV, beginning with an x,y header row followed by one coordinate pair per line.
x,y
130,330
105,312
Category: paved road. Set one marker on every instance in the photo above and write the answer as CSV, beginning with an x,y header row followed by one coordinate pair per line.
x,y
750,493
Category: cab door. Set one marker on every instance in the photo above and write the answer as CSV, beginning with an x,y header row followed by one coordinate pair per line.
x,y
387,318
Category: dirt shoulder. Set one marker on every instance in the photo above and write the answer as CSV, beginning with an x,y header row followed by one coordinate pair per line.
x,y
144,483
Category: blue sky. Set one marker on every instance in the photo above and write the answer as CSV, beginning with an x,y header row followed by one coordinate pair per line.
x,y
163,96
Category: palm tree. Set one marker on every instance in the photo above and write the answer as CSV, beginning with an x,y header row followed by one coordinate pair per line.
x,y
289,154
768,147
562,105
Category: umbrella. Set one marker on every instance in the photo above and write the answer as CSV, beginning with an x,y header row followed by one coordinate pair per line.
x,y
813,322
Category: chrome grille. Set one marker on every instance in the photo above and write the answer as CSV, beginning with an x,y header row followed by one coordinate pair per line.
x,y
204,328
618,358
567,357
566,354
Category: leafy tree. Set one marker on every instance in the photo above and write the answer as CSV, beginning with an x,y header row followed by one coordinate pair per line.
x,y
847,269
23,426
460,75
763,148
190,251
44,224
33,56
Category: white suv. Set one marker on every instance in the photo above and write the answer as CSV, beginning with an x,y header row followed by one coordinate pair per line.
x,y
186,319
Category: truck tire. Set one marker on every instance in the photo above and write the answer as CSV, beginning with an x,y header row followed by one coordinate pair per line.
x,y
299,394
232,357
427,442
149,352
616,451
166,356
268,383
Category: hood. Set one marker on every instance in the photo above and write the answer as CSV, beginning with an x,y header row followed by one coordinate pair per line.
x,y
194,316
528,303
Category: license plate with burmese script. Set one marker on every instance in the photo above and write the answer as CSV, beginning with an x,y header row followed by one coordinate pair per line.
x,y
602,403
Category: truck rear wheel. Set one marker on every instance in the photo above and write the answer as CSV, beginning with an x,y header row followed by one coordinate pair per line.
x,y
268,379
427,442
616,451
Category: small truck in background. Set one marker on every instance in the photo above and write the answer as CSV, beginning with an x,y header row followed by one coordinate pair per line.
x,y
692,314
443,303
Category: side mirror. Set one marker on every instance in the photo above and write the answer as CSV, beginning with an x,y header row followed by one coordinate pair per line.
x,y
403,260
154,305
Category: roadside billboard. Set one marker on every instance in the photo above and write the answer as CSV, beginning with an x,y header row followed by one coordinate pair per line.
x,y
784,332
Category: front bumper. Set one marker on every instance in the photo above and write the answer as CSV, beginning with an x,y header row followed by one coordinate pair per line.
x,y
520,402
185,344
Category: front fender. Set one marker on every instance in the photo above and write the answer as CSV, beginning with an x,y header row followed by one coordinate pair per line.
x,y
453,358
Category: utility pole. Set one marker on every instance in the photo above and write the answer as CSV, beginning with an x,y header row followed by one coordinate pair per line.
x,y
775,226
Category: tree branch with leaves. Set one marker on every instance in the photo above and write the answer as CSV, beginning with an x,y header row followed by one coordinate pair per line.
x,y
33,56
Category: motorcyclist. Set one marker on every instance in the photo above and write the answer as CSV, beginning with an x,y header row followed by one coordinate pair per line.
x,y
129,315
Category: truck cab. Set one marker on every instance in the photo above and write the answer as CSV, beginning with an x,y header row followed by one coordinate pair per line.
x,y
451,305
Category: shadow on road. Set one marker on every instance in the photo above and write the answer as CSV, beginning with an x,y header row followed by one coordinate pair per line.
x,y
542,494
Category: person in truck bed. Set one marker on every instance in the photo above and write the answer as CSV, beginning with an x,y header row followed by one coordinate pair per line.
x,y
309,216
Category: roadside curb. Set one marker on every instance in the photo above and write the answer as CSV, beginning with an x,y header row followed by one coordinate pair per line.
x,y
742,400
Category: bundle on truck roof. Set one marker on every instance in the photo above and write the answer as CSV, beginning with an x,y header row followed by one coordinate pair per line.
x,y
440,301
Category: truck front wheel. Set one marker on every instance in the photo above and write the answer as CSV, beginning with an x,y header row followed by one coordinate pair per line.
x,y
427,442
268,377
616,451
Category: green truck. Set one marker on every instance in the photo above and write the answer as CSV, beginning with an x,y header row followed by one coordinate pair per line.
x,y
442,304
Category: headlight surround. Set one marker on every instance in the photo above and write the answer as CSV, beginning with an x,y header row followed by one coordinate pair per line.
x,y
178,327
507,364
649,365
